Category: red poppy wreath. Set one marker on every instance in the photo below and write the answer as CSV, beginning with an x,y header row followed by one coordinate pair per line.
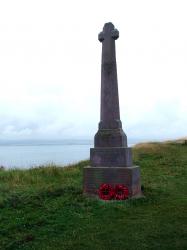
x,y
106,192
121,192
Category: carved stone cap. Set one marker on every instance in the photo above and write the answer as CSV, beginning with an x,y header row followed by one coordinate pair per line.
x,y
109,31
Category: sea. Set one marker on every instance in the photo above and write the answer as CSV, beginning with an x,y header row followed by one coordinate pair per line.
x,y
34,153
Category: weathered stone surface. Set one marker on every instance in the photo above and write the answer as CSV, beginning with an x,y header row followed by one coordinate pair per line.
x,y
111,157
110,114
110,138
110,133
129,176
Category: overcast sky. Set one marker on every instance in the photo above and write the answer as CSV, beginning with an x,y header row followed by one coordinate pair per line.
x,y
50,67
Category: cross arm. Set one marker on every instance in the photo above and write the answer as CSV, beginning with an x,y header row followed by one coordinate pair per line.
x,y
113,33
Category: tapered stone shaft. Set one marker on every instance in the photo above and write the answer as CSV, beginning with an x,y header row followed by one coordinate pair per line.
x,y
110,133
110,115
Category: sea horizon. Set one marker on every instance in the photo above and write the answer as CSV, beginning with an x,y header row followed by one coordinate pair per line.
x,y
27,153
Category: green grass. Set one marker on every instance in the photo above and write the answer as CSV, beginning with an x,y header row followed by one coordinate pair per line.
x,y
44,208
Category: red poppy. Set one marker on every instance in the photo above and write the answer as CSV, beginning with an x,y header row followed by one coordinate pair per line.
x,y
106,192
121,192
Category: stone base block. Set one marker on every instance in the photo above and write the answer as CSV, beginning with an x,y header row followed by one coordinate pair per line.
x,y
110,138
128,176
111,157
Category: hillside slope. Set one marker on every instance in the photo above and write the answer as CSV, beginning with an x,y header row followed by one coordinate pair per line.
x,y
44,208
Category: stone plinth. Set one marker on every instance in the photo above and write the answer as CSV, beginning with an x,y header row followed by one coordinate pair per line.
x,y
129,176
110,138
111,157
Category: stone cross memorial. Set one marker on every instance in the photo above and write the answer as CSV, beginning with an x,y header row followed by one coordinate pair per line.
x,y
111,158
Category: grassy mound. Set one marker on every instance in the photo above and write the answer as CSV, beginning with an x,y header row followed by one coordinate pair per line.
x,y
44,208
